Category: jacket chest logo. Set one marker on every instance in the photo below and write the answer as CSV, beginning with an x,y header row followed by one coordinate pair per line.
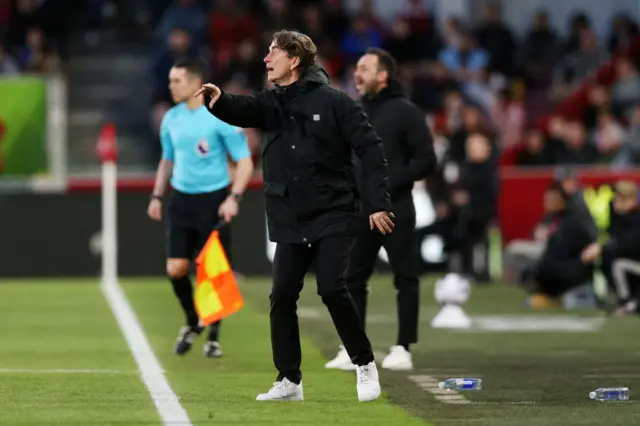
x,y
316,117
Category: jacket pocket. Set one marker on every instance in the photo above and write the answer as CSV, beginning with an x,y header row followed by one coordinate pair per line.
x,y
275,203
274,189
314,198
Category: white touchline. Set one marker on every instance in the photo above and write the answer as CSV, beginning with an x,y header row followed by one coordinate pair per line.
x,y
166,401
430,384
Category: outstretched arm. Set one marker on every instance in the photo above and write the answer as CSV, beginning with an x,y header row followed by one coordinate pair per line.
x,y
245,111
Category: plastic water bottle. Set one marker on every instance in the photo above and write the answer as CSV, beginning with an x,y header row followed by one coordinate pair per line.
x,y
610,394
461,384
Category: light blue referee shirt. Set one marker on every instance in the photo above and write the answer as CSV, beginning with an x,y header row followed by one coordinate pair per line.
x,y
198,143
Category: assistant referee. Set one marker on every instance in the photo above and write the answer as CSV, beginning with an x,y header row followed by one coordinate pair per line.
x,y
195,148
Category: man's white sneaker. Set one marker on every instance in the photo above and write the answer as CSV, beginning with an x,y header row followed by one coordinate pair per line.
x,y
342,361
368,382
399,359
283,391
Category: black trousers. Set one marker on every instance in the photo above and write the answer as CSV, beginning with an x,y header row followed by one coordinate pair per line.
x,y
291,263
557,276
400,248
191,219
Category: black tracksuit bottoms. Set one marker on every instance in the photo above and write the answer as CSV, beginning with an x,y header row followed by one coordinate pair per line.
x,y
292,261
400,246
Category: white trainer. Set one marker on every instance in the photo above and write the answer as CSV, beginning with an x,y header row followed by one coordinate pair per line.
x,y
399,359
284,390
368,386
342,361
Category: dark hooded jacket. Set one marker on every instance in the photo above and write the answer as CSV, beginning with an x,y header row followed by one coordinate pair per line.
x,y
309,130
408,143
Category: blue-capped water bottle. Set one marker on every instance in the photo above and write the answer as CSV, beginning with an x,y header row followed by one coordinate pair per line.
x,y
610,394
461,384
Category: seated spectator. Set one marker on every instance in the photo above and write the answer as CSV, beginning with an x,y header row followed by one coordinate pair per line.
x,y
498,40
621,254
567,260
623,32
473,207
540,51
25,15
536,151
464,60
402,44
335,19
247,67
630,152
483,91
521,256
626,90
431,86
579,23
599,100
609,135
331,59
186,14
452,32
578,65
508,115
576,148
359,38
229,24
367,12
8,65
36,55
422,24
453,111
178,47
312,24
472,122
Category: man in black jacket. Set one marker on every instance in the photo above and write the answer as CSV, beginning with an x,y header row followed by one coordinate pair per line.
x,y
408,145
567,261
621,253
309,131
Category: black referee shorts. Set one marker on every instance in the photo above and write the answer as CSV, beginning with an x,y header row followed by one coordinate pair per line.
x,y
190,220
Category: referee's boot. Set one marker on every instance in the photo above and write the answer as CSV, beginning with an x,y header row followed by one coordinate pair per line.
x,y
212,349
185,339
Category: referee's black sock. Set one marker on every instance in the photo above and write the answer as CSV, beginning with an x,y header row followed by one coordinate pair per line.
x,y
184,292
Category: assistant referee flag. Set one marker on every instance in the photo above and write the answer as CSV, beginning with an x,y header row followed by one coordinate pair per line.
x,y
217,294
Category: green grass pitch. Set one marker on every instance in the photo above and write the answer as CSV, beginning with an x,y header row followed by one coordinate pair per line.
x,y
63,360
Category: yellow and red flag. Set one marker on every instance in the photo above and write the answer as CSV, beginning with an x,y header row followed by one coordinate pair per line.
x,y
217,294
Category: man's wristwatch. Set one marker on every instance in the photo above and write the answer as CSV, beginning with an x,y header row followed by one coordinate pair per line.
x,y
156,197
236,196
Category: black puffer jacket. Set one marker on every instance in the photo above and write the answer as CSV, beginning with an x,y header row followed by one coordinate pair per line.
x,y
408,143
309,131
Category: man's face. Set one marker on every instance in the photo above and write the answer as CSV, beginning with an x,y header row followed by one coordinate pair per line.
x,y
367,76
624,205
570,185
179,41
279,64
553,201
182,84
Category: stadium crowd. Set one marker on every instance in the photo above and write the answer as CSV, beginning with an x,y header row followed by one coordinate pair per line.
x,y
30,31
486,91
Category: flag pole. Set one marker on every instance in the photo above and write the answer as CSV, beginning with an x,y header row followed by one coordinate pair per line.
x,y
108,154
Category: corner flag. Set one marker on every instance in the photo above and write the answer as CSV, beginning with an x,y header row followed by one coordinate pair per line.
x,y
217,294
